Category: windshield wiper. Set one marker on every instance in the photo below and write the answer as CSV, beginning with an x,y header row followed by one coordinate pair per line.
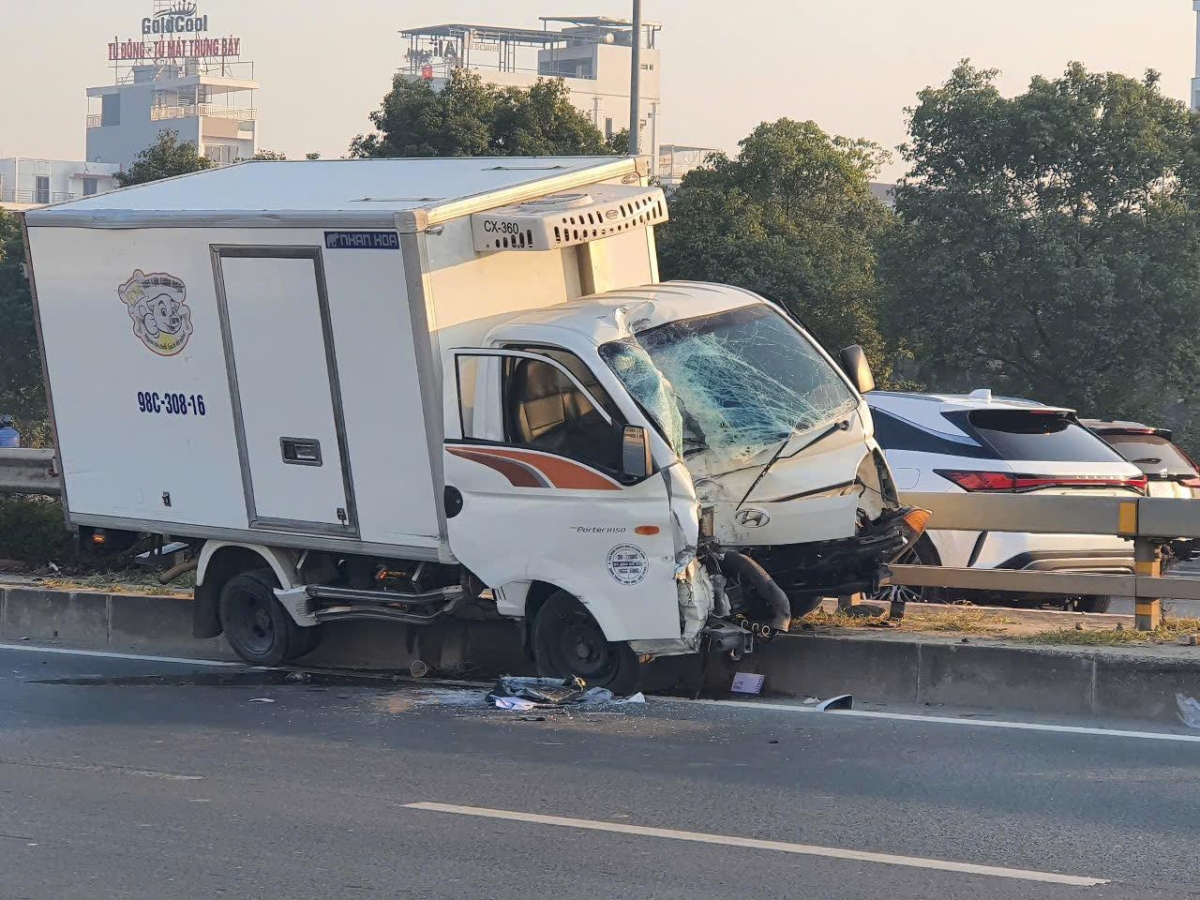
x,y
835,427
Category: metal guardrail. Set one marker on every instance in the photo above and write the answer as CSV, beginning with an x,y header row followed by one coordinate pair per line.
x,y
1149,522
29,472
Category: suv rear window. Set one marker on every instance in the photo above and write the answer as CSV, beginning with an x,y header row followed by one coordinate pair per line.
x,y
1049,437
1151,453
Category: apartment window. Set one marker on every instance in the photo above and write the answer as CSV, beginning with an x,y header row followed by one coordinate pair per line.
x,y
110,109
90,186
608,127
41,189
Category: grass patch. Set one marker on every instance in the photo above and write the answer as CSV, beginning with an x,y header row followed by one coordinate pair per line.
x,y
1171,630
957,623
965,623
128,581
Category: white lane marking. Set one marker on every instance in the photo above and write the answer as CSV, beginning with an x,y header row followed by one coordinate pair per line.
x,y
698,837
105,770
136,657
949,720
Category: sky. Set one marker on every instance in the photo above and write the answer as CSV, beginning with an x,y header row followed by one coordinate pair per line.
x,y
852,66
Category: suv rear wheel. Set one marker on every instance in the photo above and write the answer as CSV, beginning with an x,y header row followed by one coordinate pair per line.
x,y
922,553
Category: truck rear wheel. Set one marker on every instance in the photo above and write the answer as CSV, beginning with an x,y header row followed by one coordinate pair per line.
x,y
256,625
568,642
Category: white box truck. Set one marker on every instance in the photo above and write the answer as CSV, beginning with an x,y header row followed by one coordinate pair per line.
x,y
395,389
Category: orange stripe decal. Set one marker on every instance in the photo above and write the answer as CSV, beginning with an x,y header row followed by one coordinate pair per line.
x,y
525,468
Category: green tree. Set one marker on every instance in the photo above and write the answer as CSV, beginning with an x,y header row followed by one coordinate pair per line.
x,y
165,158
21,392
469,117
1051,245
791,218
271,155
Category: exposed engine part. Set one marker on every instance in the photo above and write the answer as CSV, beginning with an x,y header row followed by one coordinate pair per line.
x,y
807,572
721,607
729,638
752,574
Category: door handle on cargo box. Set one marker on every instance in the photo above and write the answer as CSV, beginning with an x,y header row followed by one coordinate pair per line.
x,y
300,451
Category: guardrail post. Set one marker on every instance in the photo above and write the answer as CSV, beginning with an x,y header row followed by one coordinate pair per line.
x,y
1147,564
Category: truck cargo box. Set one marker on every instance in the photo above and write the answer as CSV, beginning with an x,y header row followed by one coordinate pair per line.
x,y
254,353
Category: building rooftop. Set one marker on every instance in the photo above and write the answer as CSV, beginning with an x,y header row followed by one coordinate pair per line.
x,y
486,32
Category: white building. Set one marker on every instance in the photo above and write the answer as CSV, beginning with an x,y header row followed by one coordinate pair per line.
x,y
593,54
176,75
25,183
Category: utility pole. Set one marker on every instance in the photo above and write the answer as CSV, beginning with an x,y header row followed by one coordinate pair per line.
x,y
1194,101
635,83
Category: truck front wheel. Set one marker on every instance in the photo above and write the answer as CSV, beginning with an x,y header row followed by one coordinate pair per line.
x,y
257,627
568,642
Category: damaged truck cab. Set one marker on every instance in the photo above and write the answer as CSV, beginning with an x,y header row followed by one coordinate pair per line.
x,y
415,389
678,439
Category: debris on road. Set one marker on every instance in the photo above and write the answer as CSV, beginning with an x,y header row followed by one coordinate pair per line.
x,y
1189,710
841,701
261,700
747,683
525,694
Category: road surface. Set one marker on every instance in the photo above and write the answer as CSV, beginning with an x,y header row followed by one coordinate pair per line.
x,y
161,780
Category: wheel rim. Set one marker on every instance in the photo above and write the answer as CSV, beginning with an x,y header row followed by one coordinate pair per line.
x,y
253,628
582,650
902,593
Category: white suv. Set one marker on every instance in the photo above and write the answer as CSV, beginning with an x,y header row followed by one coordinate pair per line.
x,y
981,444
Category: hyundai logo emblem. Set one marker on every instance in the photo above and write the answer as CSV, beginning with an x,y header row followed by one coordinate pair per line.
x,y
752,518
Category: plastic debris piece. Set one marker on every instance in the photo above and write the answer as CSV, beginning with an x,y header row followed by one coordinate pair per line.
x,y
1189,710
418,669
551,693
841,701
261,700
298,677
746,683
517,703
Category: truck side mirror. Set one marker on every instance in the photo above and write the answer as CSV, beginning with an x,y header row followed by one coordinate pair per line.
x,y
856,367
635,452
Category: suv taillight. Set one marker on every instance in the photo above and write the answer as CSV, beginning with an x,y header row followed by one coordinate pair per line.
x,y
1007,483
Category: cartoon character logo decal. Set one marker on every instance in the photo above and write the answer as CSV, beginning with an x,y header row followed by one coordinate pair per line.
x,y
157,304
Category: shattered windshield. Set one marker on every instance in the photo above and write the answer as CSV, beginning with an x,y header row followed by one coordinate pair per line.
x,y
737,382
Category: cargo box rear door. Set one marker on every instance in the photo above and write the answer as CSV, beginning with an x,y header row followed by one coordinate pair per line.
x,y
283,380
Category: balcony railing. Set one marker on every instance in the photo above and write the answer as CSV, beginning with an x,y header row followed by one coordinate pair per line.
x,y
40,196
242,113
95,121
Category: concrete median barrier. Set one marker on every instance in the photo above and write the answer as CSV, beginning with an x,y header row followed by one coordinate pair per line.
x,y
877,667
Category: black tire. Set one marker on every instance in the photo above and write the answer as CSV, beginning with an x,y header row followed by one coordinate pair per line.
x,y
310,640
256,625
568,642
922,553
1093,604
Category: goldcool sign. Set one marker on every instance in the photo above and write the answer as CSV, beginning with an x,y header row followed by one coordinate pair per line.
x,y
181,18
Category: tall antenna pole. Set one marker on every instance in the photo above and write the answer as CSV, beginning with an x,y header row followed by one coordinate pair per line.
x,y
635,83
